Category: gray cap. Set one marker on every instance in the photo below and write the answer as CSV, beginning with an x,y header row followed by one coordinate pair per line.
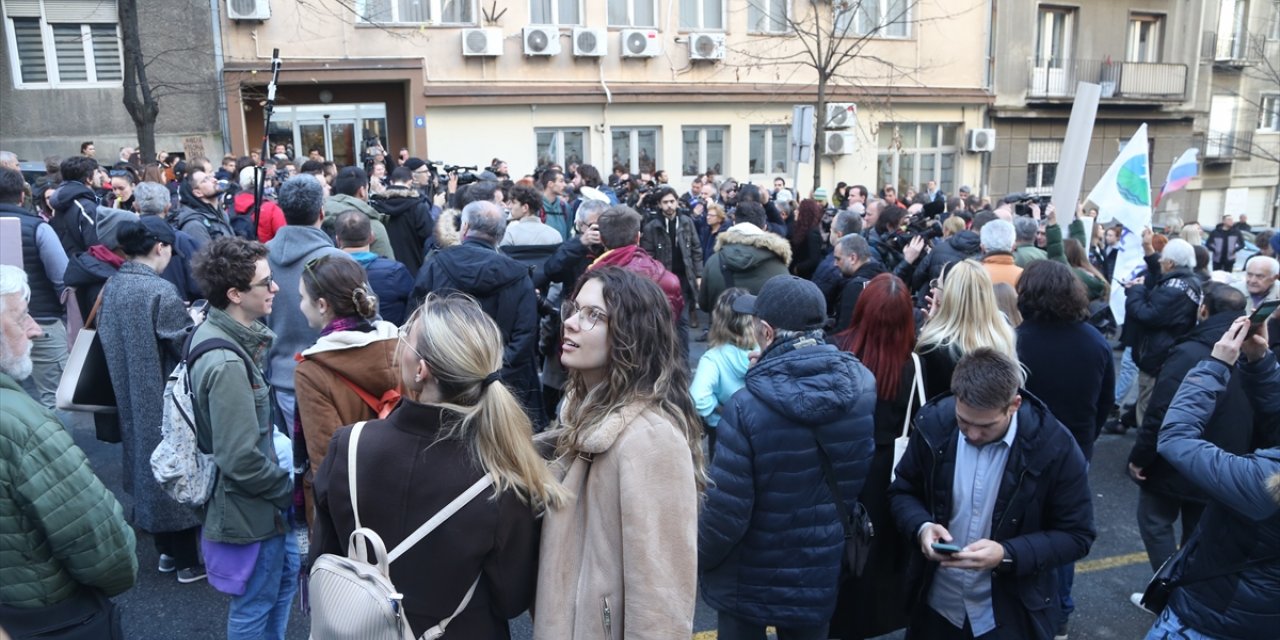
x,y
965,189
109,221
786,302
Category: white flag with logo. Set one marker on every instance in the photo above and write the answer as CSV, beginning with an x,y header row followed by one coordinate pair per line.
x,y
1124,193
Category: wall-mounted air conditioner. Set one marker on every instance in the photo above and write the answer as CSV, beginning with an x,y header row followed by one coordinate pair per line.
x,y
248,9
840,143
640,43
841,115
981,140
541,41
706,46
485,41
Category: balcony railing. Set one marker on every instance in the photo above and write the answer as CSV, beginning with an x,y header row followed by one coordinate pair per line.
x,y
1137,81
1236,49
1226,146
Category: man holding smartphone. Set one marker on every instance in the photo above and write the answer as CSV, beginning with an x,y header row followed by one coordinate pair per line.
x,y
992,473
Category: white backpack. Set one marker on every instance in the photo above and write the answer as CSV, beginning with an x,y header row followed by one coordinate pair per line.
x,y
352,598
185,472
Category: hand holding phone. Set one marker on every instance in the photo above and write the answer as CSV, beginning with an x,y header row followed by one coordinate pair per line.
x,y
1263,311
944,548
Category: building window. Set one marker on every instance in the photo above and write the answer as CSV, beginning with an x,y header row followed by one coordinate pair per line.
x,y
417,11
1269,112
555,12
1274,32
635,150
702,15
770,149
879,18
633,13
561,146
71,43
1054,37
1042,165
1232,35
768,16
1145,36
912,154
702,150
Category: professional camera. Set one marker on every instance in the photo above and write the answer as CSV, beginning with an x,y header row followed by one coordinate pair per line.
x,y
1022,202
466,174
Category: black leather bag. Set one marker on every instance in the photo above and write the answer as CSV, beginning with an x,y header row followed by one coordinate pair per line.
x,y
1169,576
858,530
88,615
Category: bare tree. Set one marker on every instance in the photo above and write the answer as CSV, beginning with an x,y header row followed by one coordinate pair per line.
x,y
139,99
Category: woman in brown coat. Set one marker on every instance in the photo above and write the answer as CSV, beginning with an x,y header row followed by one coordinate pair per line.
x,y
350,373
456,423
619,560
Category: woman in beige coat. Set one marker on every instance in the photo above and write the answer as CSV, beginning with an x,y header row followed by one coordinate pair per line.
x,y
619,560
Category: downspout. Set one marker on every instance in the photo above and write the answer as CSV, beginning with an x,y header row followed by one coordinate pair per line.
x,y
223,123
988,83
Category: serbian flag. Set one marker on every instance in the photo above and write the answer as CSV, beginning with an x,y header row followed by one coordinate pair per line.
x,y
1180,174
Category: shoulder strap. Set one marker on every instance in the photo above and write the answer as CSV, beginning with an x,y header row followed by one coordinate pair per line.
x,y
440,516
351,469
374,403
213,344
93,315
917,391
1219,573
846,518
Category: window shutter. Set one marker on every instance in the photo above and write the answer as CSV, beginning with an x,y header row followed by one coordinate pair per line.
x,y
22,8
80,11
30,43
1044,151
68,43
106,52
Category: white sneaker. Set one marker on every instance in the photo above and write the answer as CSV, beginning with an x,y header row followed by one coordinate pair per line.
x,y
1136,599
167,564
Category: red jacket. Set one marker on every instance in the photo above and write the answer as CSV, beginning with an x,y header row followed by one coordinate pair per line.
x,y
270,218
636,260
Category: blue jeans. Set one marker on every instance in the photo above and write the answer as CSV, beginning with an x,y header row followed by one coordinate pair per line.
x,y
288,403
1169,627
263,610
1128,373
1066,577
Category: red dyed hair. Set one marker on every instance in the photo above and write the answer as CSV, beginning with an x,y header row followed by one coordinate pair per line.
x,y
808,216
882,332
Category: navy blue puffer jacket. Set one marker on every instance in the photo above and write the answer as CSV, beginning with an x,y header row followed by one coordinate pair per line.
x,y
770,542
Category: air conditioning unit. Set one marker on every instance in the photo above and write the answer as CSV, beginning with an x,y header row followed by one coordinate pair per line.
x,y
981,140
248,9
640,43
590,43
841,115
486,41
706,46
541,41
840,143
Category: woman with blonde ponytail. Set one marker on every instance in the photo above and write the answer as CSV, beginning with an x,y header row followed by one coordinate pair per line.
x,y
456,422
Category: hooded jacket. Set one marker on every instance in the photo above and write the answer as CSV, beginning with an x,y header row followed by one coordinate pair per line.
x,y
1161,312
87,275
407,218
288,253
504,290
270,216
342,203
199,219
1230,425
1043,514
749,256
634,258
75,216
1242,521
770,541
391,282
963,245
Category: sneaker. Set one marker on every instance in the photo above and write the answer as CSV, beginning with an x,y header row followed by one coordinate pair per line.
x,y
1136,599
167,564
192,574
1061,633
1114,427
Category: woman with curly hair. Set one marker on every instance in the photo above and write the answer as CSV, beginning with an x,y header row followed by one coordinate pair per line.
x,y
964,316
806,238
631,456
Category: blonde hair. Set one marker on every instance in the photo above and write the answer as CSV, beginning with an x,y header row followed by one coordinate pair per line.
x,y
463,347
1191,233
967,317
952,226
729,326
1007,300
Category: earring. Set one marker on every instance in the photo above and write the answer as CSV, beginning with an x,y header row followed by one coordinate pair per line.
x,y
417,377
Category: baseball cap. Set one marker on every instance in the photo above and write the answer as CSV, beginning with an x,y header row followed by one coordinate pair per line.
x,y
158,229
786,302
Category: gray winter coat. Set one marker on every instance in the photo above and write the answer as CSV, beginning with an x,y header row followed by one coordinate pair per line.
x,y
289,252
143,324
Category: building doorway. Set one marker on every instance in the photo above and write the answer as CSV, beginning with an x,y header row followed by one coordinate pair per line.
x,y
347,134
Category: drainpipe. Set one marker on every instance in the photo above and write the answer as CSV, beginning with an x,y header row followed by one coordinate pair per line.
x,y
223,123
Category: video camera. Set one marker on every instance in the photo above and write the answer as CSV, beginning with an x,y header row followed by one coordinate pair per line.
x,y
466,174
1022,202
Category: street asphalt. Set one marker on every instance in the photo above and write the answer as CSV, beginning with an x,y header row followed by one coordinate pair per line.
x,y
159,608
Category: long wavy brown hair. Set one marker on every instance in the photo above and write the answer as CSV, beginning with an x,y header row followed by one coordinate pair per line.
x,y
644,365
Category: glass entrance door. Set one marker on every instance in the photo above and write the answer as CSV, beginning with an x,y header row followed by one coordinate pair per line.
x,y
340,132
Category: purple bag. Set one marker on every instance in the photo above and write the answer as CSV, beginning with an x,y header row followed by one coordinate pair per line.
x,y
229,565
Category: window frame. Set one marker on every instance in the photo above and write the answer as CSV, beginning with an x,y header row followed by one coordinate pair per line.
x,y
944,147
49,52
1269,110
631,15
786,19
633,162
855,15
1154,47
768,160
559,155
435,10
702,130
1070,18
724,15
555,9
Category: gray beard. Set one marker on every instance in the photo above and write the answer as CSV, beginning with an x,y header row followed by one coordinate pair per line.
x,y
18,366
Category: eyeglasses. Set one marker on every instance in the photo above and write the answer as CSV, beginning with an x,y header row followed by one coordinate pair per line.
x,y
264,283
588,317
403,334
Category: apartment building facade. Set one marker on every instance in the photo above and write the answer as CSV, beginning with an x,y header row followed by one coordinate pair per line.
x,y
679,85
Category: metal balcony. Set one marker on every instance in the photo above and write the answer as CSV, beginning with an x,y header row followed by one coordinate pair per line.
x,y
1140,82
1233,50
1227,146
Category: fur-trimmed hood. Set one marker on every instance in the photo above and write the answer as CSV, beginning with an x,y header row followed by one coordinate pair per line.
x,y
446,231
756,241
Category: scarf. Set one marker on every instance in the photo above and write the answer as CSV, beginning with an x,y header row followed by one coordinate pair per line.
x,y
101,252
619,257
347,324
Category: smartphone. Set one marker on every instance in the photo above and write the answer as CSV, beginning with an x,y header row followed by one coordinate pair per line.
x,y
1263,312
944,548
200,305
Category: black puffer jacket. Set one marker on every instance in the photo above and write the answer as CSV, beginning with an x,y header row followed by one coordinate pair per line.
x,y
409,224
1161,312
965,244
75,217
1230,427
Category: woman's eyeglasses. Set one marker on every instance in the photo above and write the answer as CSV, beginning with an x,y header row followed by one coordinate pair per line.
x,y
403,334
588,317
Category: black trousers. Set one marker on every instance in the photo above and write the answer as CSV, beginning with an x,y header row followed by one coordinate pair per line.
x,y
183,546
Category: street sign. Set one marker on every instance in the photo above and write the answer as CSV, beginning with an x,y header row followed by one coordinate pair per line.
x,y
802,134
419,122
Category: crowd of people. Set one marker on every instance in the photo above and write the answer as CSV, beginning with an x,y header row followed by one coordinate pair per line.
x,y
891,427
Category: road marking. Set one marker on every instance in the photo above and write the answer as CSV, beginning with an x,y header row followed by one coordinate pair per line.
x,y
1088,566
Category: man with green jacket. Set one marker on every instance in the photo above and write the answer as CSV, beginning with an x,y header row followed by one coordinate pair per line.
x,y
63,536
351,193
244,520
